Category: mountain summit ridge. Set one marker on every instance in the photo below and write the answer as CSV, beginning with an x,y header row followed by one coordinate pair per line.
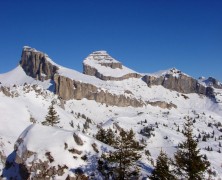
x,y
101,65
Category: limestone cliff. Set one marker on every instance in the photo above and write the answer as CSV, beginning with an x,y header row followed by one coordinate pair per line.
x,y
101,65
37,64
71,89
177,81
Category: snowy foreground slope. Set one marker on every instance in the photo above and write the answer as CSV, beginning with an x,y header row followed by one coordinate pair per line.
x,y
24,102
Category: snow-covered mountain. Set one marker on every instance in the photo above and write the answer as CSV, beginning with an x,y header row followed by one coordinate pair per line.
x,y
107,94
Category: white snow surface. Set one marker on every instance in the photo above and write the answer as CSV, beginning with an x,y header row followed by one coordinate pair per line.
x,y
18,77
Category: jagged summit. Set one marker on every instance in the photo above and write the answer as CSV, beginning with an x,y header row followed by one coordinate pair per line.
x,y
105,67
28,48
37,64
103,57
172,71
212,82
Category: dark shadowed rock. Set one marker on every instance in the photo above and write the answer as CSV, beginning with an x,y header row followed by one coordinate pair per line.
x,y
77,139
212,82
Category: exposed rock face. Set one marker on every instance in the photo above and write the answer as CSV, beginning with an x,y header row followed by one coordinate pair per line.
x,y
77,139
94,72
213,82
41,169
93,63
179,82
70,89
6,91
36,64
64,87
163,104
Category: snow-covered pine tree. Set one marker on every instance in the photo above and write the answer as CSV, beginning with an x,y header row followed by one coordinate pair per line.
x,y
188,161
52,117
161,170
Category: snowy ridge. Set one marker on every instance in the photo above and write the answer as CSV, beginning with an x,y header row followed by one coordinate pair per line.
x,y
173,71
18,77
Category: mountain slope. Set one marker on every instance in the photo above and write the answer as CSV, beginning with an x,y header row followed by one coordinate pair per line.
x,y
80,99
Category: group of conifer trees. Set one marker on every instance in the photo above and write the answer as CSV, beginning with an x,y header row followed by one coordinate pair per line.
x,y
188,163
121,163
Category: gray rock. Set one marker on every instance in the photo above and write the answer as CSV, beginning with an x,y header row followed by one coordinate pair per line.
x,y
181,83
6,91
77,139
94,72
213,82
36,65
70,89
162,104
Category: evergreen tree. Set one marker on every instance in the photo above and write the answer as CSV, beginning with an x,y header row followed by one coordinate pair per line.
x,y
110,136
162,171
101,135
189,163
106,136
124,158
51,118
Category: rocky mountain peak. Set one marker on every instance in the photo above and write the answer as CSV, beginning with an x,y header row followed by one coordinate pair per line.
x,y
101,65
211,82
37,64
104,59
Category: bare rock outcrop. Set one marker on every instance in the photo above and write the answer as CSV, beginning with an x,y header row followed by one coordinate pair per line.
x,y
41,169
5,91
94,72
70,89
212,82
101,65
177,81
162,104
37,64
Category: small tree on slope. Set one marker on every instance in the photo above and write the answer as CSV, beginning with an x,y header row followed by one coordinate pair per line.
x,y
122,161
188,161
162,171
51,118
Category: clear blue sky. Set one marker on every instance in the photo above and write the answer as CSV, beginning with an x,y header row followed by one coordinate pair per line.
x,y
145,35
